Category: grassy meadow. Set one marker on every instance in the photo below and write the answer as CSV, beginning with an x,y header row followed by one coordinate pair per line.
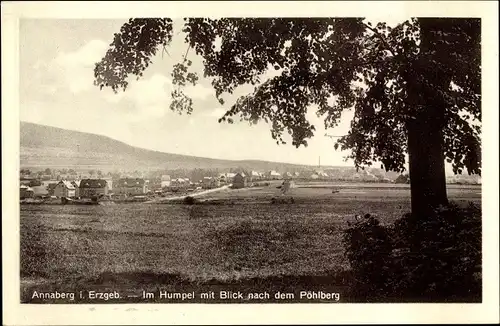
x,y
233,239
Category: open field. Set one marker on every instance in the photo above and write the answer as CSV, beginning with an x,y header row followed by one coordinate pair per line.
x,y
233,239
350,191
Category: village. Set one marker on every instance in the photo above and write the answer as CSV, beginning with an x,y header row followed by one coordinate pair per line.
x,y
137,186
130,186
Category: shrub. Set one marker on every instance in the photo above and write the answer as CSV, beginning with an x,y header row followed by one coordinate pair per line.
x,y
35,183
434,258
188,200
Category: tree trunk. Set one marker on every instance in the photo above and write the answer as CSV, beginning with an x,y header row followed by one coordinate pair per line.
x,y
425,128
427,171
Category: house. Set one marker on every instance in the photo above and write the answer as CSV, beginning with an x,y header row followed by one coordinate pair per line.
x,y
210,183
109,182
47,183
165,181
154,184
179,184
287,175
130,187
64,188
240,181
226,177
92,188
179,181
76,184
26,192
255,176
322,175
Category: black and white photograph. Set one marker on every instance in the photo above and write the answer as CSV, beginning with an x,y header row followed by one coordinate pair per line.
x,y
231,159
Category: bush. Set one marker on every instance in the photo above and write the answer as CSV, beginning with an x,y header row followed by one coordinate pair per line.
x,y
417,259
35,183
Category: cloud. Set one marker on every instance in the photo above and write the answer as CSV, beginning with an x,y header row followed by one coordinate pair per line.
x,y
152,96
72,73
199,91
148,97
216,113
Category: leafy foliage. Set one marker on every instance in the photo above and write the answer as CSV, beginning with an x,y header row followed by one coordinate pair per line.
x,y
131,51
388,75
295,47
420,258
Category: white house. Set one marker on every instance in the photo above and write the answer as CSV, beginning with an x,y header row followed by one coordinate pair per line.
x,y
65,189
109,182
254,175
179,182
165,181
76,184
131,187
26,192
227,177
273,175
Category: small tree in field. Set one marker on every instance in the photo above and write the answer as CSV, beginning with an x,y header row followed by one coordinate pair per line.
x,y
415,88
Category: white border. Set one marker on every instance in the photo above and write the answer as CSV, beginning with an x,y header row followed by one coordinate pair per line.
x,y
137,314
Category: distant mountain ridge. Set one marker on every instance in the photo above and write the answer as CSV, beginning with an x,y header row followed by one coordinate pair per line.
x,y
45,146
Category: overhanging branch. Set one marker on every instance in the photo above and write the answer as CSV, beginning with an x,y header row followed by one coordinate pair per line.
x,y
389,48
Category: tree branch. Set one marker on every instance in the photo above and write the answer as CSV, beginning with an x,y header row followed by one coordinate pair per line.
x,y
164,50
389,48
187,51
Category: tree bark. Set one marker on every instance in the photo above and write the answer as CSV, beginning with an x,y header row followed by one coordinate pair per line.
x,y
425,127
426,161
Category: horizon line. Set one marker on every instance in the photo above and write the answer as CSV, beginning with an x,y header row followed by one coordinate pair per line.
x,y
192,156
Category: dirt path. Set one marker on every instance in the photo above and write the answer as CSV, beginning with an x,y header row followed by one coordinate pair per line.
x,y
204,192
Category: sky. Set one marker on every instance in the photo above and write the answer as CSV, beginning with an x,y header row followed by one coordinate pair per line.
x,y
57,58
